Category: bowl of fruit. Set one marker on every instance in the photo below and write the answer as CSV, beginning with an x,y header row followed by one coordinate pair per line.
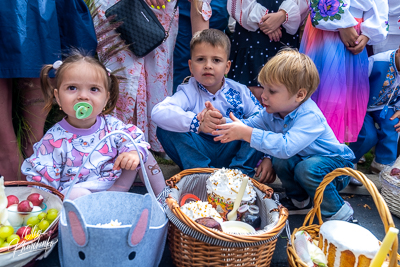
x,y
19,212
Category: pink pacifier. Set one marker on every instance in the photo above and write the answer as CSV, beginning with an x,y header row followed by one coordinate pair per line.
x,y
83,110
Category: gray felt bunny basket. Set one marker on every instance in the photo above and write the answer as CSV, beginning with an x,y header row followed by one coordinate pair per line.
x,y
139,241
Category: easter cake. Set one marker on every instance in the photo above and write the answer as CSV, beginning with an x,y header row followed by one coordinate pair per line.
x,y
346,244
222,188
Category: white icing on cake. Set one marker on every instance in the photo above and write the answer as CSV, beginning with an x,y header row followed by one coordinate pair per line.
x,y
226,183
348,236
199,209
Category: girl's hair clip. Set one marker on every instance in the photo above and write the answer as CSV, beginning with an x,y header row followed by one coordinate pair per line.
x,y
108,71
57,64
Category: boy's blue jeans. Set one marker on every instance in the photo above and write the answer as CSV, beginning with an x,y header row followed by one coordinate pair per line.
x,y
384,139
301,177
190,150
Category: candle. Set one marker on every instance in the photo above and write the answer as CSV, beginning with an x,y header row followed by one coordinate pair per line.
x,y
3,204
385,247
232,215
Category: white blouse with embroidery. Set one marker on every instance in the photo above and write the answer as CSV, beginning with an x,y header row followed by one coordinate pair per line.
x,y
331,15
248,13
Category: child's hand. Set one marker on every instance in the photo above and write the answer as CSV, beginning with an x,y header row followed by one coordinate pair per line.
x,y
267,172
127,160
348,36
275,35
211,117
272,21
236,130
361,42
396,115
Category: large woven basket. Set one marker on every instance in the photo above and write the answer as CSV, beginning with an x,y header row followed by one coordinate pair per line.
x,y
313,229
192,244
24,253
391,188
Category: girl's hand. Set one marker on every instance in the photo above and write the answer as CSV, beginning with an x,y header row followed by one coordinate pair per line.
x,y
267,172
348,36
157,4
127,161
275,35
236,130
361,42
272,21
396,115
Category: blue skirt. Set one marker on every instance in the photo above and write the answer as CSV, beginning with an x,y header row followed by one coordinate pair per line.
x,y
37,32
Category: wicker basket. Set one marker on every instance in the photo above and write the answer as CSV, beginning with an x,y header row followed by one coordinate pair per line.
x,y
192,244
51,233
391,188
313,229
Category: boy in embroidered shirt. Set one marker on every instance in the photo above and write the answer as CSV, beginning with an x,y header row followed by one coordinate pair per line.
x,y
383,109
185,125
295,134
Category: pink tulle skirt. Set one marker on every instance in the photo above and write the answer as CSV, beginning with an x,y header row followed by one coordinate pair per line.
x,y
344,88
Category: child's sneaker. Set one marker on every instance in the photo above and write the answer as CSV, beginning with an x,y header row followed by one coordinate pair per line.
x,y
345,213
296,207
376,167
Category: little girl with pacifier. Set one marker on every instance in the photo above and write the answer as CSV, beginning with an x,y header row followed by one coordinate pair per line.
x,y
87,92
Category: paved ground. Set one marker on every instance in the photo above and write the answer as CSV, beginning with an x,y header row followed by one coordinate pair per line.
x,y
359,198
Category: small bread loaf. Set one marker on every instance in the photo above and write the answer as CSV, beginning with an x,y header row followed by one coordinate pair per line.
x,y
209,222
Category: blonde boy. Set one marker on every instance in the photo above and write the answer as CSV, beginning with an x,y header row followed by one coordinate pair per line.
x,y
184,125
295,136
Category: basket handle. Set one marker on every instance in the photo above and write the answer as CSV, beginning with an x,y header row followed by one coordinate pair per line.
x,y
171,182
380,203
52,189
145,177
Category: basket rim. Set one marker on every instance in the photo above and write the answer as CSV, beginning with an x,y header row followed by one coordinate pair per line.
x,y
215,234
51,233
386,217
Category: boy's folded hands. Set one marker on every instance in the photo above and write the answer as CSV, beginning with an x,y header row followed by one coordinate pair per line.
x,y
236,130
209,118
127,160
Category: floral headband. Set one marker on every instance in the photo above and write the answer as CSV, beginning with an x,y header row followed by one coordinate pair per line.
x,y
58,63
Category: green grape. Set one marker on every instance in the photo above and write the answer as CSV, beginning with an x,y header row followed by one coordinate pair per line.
x,y
13,239
6,231
43,225
36,230
52,210
51,216
42,215
32,221
4,245
1,241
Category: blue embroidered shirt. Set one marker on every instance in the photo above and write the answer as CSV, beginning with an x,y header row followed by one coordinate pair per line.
x,y
384,81
178,113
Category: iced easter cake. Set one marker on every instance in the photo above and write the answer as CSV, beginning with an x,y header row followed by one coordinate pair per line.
x,y
199,209
346,244
223,187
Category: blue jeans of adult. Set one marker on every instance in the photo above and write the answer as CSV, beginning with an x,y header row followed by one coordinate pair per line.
x,y
190,150
219,20
384,139
301,178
